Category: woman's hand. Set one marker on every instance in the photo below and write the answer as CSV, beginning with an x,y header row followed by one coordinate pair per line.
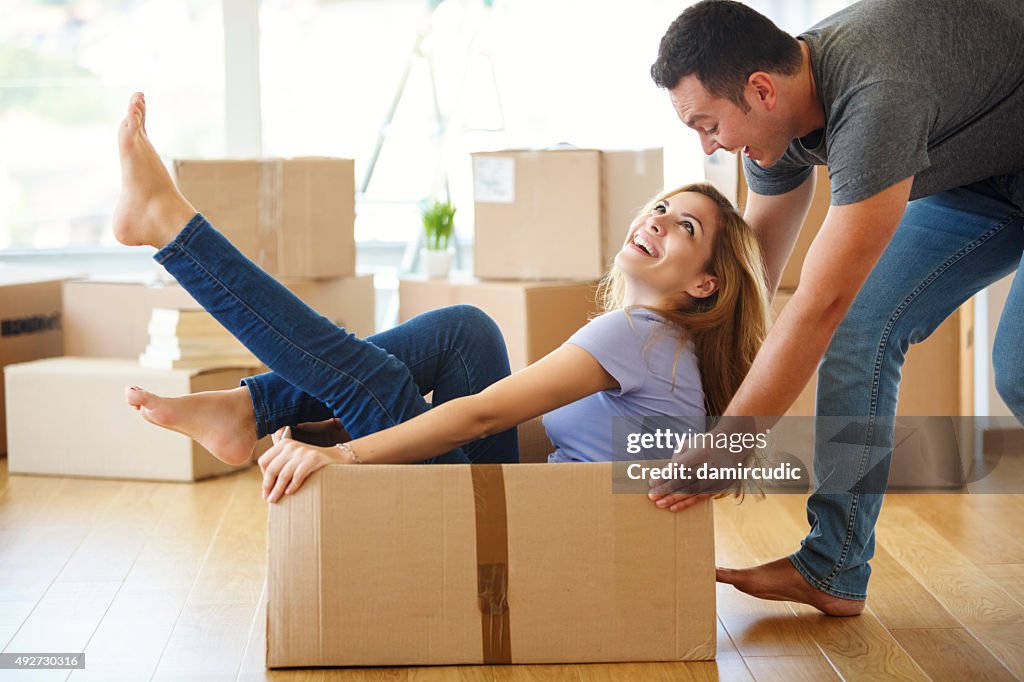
x,y
289,462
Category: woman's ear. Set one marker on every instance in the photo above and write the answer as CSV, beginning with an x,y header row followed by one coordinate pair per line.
x,y
708,285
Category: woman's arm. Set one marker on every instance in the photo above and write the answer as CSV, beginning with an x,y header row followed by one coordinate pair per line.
x,y
563,376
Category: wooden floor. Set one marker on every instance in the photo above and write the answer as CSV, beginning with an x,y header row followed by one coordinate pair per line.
x,y
163,581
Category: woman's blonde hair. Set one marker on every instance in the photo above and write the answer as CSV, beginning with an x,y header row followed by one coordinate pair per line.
x,y
727,327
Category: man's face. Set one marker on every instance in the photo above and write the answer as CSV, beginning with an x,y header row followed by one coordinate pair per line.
x,y
721,124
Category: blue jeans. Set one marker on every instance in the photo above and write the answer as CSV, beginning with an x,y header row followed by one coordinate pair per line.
x,y
320,371
948,247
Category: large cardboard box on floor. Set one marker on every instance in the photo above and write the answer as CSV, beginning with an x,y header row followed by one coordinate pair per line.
x,y
293,217
30,320
725,172
109,318
557,214
535,317
482,564
68,417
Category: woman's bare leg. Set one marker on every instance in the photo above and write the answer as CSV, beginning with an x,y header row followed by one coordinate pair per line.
x,y
150,210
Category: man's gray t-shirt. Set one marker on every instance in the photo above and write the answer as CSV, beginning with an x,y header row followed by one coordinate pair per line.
x,y
927,88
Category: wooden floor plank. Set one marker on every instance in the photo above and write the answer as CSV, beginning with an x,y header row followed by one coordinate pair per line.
x,y
12,615
454,673
126,646
207,643
951,654
790,668
1010,577
118,534
860,648
64,619
43,520
235,568
982,607
176,548
968,525
536,673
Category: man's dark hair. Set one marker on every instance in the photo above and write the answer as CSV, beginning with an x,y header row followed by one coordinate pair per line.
x,y
722,42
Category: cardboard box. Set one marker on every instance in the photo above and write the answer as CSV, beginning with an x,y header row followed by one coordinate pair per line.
x,y
30,321
938,376
534,317
293,217
725,172
479,564
557,214
100,434
108,318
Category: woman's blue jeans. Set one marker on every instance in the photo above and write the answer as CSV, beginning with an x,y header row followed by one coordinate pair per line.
x,y
948,247
320,370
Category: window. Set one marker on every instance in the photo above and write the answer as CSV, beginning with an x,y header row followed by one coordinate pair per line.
x,y
67,69
528,73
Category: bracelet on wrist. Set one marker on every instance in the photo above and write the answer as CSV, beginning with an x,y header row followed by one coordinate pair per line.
x,y
349,454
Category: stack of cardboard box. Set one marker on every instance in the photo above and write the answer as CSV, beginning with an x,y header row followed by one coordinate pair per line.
x,y
548,225
30,321
294,217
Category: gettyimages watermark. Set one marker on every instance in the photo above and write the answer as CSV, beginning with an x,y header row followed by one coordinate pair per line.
x,y
830,455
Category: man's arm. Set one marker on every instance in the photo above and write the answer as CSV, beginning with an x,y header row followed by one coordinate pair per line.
x,y
776,220
850,242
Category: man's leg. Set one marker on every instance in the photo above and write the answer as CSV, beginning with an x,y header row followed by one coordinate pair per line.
x,y
364,386
1008,350
947,248
451,352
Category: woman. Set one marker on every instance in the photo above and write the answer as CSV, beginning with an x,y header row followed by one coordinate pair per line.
x,y
686,300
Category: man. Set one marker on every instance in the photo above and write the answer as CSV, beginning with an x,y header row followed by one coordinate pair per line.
x,y
917,109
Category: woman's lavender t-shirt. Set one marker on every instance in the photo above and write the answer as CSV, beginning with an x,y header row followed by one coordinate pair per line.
x,y
582,431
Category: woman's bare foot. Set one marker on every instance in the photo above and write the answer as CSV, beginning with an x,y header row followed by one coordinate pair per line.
x,y
150,210
780,581
221,421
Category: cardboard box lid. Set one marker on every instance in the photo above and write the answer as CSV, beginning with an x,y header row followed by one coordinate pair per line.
x,y
384,565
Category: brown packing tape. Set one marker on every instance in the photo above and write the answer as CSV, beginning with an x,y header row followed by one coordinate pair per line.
x,y
492,561
270,213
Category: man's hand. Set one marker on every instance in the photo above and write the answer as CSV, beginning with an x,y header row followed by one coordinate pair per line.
x,y
289,462
732,446
676,502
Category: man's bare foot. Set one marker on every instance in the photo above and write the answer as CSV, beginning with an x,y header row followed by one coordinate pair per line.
x,y
221,421
780,581
150,210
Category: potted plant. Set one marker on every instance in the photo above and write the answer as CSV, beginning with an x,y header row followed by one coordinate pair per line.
x,y
438,222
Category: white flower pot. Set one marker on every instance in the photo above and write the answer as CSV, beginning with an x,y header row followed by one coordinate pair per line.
x,y
436,263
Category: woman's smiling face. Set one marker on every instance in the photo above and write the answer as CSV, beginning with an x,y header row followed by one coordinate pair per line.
x,y
667,250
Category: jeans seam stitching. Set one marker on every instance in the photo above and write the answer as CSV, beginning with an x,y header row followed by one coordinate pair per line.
x,y
262,423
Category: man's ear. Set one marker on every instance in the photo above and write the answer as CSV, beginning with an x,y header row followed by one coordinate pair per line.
x,y
707,286
761,88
